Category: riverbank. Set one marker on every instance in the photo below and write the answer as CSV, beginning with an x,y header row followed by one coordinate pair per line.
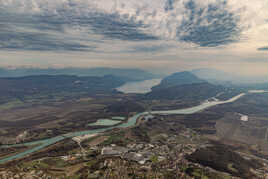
x,y
131,122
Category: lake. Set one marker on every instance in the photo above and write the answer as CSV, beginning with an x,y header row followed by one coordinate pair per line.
x,y
139,87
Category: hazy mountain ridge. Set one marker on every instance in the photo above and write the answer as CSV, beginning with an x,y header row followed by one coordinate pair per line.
x,y
184,86
131,74
225,78
179,78
195,91
21,86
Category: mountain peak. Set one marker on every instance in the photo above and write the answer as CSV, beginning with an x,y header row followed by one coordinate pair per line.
x,y
179,78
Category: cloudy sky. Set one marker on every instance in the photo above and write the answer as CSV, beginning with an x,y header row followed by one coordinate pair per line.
x,y
166,35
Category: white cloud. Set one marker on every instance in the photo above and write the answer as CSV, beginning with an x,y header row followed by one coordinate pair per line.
x,y
250,19
160,22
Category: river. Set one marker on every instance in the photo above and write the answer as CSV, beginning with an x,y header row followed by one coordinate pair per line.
x,y
131,122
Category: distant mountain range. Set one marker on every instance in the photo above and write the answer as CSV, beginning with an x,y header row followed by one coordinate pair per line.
x,y
213,75
180,78
187,87
186,92
124,74
221,77
195,76
50,84
184,86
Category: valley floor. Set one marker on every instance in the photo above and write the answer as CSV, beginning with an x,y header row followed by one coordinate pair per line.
x,y
162,146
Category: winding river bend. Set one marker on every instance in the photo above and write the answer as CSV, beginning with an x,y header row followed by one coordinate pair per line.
x,y
41,144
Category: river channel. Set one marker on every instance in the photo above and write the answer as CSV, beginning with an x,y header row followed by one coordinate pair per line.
x,y
41,144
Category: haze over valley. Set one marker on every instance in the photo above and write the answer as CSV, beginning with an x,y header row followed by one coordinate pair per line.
x,y
164,89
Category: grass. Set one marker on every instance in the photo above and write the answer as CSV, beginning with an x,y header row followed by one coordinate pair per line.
x,y
91,163
202,174
116,138
36,164
76,176
36,98
230,166
154,159
44,164
11,104
55,162
199,173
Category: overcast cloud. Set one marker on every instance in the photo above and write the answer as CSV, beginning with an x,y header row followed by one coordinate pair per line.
x,y
174,34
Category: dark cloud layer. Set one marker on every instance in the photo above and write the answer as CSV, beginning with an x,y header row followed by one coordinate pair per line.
x,y
36,33
263,49
209,27
149,49
14,39
169,5
38,42
38,22
206,27
112,26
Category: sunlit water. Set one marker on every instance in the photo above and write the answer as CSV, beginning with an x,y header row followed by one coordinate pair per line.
x,y
258,91
104,122
139,87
